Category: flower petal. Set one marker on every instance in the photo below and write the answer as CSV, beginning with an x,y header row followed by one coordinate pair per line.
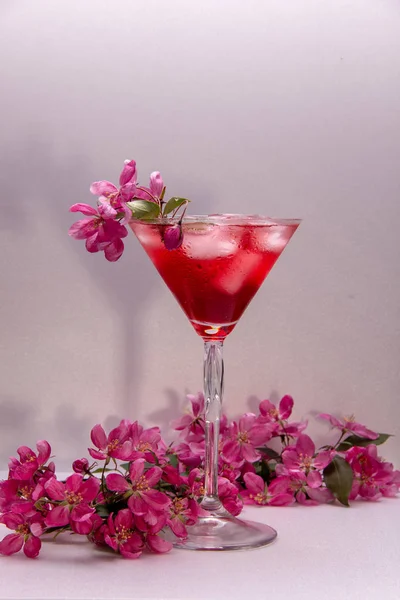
x,y
158,544
111,541
106,211
305,445
254,483
103,188
321,495
57,517
332,420
153,476
81,512
137,505
259,434
178,527
156,499
117,483
32,546
279,485
11,544
127,193
55,489
282,500
323,459
249,453
247,421
267,409
89,489
114,251
86,209
124,518
286,407
133,546
83,228
25,453
314,479
156,184
73,482
44,451
12,520
136,469
362,431
128,173
98,437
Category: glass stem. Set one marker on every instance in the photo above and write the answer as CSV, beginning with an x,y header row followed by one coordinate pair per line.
x,y
213,389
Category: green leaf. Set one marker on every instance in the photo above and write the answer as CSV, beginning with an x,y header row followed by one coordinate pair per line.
x,y
173,204
102,510
338,477
270,453
100,470
355,440
125,466
144,210
262,469
173,460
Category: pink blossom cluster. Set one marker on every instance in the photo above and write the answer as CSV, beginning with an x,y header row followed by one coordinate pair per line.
x,y
292,470
136,488
104,226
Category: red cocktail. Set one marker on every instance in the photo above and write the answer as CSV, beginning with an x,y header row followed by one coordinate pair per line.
x,y
219,267
213,274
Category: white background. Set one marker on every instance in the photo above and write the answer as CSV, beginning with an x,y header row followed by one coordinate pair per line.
x,y
284,108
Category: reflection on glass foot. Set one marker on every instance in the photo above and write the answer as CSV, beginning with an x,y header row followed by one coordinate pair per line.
x,y
215,532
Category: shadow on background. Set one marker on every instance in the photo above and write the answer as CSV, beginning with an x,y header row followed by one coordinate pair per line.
x,y
31,173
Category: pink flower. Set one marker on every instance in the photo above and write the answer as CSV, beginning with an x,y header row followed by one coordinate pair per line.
x,y
278,416
152,193
117,198
156,184
27,532
308,489
8,494
29,462
371,475
143,499
391,487
144,442
121,536
181,514
116,445
19,496
192,422
101,231
229,496
282,413
230,470
258,492
157,544
348,424
187,455
171,475
244,438
73,500
81,465
302,457
196,483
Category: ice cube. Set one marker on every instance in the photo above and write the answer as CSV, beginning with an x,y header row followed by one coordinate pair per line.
x,y
273,238
149,235
240,270
206,241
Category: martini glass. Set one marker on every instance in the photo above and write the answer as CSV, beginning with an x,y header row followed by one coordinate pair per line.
x,y
214,274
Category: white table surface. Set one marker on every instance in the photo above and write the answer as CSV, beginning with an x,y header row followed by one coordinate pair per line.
x,y
322,552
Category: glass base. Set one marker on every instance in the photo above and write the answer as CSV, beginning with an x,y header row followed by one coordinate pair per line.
x,y
214,532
